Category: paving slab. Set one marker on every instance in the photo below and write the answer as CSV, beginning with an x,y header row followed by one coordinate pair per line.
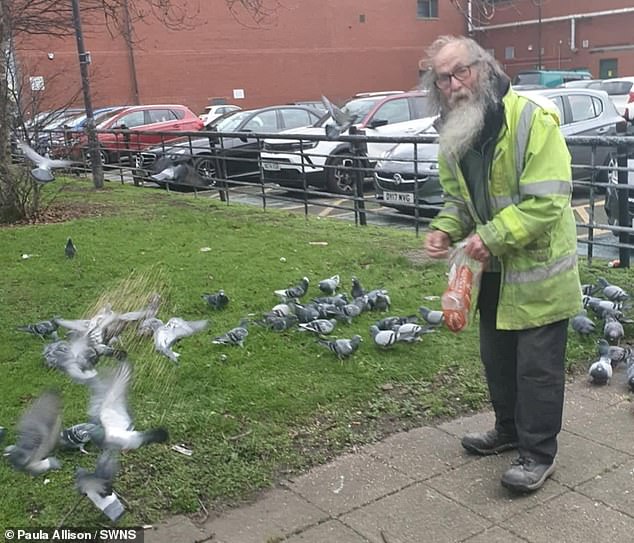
x,y
614,488
331,531
417,513
178,528
279,513
495,535
614,392
479,422
420,453
476,485
572,518
349,482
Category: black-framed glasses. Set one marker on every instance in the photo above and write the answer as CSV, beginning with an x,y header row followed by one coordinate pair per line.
x,y
443,81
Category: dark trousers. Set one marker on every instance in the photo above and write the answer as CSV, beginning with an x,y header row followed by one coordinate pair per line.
x,y
525,371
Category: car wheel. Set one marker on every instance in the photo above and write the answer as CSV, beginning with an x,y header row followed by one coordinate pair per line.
x,y
340,178
105,158
610,175
205,167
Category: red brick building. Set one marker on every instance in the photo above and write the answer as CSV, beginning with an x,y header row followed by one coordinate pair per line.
x,y
306,49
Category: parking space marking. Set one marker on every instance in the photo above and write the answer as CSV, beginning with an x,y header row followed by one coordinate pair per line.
x,y
329,210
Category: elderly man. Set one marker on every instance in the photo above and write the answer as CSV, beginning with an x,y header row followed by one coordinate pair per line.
x,y
505,170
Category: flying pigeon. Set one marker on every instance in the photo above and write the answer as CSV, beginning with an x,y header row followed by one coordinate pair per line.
x,y
108,410
582,324
342,347
217,300
38,432
70,250
42,329
44,166
235,336
329,286
77,436
357,290
383,338
432,316
612,292
76,358
98,485
600,372
295,292
341,120
166,335
323,327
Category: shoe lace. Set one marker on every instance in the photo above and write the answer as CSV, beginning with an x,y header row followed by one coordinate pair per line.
x,y
521,461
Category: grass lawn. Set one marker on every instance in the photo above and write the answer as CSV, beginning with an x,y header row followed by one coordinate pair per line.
x,y
250,415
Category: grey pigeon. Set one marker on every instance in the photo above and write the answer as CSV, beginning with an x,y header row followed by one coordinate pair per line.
x,y
42,329
357,290
323,327
582,324
616,354
44,166
432,316
630,373
388,323
76,358
281,310
109,411
342,347
38,431
378,299
70,250
339,300
217,300
351,311
612,292
235,336
613,330
76,436
295,292
329,286
383,338
97,485
341,121
600,372
587,289
279,324
304,313
409,332
166,335
600,306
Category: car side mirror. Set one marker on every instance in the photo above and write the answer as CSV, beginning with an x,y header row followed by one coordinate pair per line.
x,y
378,122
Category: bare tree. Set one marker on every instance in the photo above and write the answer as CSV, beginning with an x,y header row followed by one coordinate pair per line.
x,y
26,18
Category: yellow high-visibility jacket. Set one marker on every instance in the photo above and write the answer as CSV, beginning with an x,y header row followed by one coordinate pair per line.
x,y
532,230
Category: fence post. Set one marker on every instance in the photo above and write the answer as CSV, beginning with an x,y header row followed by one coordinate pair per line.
x,y
623,199
360,152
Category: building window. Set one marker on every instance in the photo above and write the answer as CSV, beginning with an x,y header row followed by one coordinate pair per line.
x,y
509,53
427,9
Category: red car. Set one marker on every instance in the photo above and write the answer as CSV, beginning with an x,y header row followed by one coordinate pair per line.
x,y
149,126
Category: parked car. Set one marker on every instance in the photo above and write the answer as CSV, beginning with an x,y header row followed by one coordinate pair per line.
x,y
149,125
583,112
583,84
549,78
213,112
41,129
621,92
317,105
326,163
195,163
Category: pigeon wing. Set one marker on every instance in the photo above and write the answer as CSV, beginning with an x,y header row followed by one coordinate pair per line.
x,y
40,426
109,403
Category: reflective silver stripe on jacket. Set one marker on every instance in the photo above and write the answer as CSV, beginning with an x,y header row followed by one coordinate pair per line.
x,y
542,272
546,188
521,139
500,202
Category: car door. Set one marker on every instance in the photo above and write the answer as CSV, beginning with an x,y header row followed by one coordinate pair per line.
x,y
392,112
159,123
126,141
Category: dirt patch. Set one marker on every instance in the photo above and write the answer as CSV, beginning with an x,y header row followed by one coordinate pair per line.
x,y
67,212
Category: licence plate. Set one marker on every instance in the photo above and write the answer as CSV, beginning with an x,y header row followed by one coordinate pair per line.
x,y
270,166
399,197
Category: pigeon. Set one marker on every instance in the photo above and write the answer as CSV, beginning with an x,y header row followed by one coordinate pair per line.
x,y
70,250
388,323
350,311
342,347
330,285
409,332
42,329
630,373
600,306
357,290
295,292
339,300
378,299
76,358
98,485
342,121
217,300
38,432
108,410
432,316
77,436
600,372
44,166
613,293
616,354
383,338
304,313
323,327
235,336
582,324
166,335
587,289
279,324
280,310
613,330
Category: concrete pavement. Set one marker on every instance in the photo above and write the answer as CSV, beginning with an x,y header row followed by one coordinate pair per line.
x,y
420,486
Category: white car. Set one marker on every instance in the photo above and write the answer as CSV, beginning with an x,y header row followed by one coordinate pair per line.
x,y
621,92
213,112
328,163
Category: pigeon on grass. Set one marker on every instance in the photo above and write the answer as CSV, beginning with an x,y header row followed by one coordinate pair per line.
x,y
383,338
108,410
217,300
329,286
582,324
76,358
235,336
342,347
432,316
322,327
295,292
97,485
38,432
612,292
70,250
76,436
42,329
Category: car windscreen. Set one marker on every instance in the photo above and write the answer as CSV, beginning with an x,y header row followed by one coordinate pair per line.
x,y
614,88
232,123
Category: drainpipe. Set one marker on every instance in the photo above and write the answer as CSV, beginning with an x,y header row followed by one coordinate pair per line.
x,y
127,36
573,34
469,17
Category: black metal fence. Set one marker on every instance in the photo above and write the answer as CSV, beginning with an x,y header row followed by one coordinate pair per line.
x,y
360,176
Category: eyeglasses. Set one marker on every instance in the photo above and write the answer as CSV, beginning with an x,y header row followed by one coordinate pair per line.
x,y
443,81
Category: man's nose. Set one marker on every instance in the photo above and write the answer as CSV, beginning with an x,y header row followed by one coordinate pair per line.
x,y
455,84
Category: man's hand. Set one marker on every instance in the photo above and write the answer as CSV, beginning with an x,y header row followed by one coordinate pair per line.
x,y
437,244
476,249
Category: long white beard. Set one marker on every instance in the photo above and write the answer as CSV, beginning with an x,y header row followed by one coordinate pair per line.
x,y
461,126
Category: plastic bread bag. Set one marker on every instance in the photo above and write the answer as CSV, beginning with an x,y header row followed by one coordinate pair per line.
x,y
461,296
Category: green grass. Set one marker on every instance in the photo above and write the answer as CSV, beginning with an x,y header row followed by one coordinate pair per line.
x,y
251,415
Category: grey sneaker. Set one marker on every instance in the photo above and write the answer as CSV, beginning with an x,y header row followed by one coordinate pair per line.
x,y
526,475
491,442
